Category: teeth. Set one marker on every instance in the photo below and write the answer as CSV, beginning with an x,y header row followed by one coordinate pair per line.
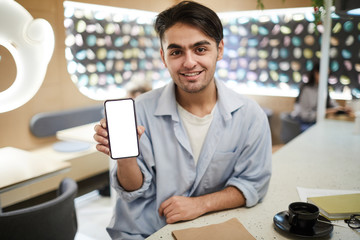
x,y
191,74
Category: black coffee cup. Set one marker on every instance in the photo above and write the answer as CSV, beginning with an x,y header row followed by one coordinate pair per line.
x,y
303,216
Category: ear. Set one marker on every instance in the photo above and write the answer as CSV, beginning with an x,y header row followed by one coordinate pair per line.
x,y
163,57
220,50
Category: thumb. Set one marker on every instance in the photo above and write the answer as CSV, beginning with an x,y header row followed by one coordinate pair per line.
x,y
140,130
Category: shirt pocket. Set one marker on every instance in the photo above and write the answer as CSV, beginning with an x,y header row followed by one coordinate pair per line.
x,y
220,169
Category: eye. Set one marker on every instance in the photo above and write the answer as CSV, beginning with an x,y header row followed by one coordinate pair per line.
x,y
175,53
201,50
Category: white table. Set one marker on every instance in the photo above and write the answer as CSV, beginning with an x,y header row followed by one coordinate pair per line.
x,y
83,133
19,168
327,156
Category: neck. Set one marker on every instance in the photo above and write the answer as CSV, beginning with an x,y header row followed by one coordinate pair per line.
x,y
199,104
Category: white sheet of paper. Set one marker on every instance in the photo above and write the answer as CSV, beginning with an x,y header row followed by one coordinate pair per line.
x,y
305,193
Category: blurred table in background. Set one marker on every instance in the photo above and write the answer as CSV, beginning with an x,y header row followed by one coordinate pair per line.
x,y
19,168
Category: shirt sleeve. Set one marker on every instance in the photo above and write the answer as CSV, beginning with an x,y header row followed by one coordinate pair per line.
x,y
147,189
252,170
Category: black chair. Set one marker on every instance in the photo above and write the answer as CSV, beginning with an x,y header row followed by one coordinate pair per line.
x,y
290,128
54,219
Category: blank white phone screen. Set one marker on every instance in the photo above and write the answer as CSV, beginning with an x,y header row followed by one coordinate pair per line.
x,y
121,126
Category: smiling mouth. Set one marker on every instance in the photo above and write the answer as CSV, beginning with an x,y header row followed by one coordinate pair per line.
x,y
191,74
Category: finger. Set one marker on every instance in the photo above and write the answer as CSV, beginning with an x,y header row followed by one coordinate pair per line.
x,y
101,140
161,210
173,219
170,211
163,206
140,130
100,130
103,122
103,149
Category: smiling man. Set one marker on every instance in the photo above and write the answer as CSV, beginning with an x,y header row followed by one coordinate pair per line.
x,y
203,147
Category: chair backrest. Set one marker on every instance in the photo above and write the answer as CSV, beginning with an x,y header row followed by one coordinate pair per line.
x,y
54,219
290,128
48,123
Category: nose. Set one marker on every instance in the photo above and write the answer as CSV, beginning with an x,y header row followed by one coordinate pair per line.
x,y
189,60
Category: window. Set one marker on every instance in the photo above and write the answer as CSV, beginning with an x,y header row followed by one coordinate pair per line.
x,y
266,52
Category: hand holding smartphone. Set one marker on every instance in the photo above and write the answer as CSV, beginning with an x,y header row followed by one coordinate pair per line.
x,y
122,128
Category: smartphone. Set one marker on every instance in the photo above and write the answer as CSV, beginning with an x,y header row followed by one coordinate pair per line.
x,y
121,126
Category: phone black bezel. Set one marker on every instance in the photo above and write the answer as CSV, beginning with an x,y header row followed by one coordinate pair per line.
x,y
107,127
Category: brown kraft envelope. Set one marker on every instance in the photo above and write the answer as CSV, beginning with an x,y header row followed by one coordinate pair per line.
x,y
229,230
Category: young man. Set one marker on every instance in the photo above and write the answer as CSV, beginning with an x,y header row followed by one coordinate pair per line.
x,y
203,147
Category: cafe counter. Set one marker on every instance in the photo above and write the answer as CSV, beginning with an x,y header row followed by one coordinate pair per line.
x,y
327,156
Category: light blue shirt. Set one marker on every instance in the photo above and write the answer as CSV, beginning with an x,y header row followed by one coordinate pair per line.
x,y
236,152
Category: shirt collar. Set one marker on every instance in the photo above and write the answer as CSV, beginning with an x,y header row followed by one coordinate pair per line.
x,y
167,102
228,101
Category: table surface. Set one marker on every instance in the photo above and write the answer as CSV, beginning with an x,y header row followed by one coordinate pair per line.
x,y
327,156
19,167
82,133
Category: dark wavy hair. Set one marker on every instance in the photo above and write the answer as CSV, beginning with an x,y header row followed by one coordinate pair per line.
x,y
311,75
191,13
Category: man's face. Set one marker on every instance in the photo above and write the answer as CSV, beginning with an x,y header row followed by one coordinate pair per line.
x,y
190,56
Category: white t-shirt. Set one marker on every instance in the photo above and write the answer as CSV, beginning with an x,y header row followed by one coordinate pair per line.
x,y
196,129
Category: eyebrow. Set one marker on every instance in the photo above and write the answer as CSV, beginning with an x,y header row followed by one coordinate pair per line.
x,y
200,43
